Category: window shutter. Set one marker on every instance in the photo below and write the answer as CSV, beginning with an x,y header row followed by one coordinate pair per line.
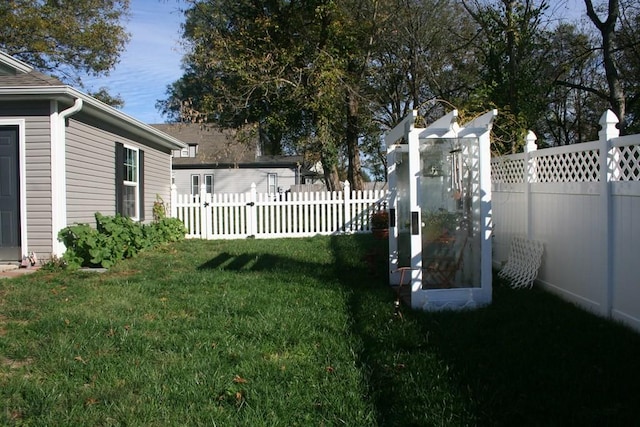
x,y
141,183
119,173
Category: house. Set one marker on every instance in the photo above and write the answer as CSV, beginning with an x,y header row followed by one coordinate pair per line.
x,y
224,162
64,156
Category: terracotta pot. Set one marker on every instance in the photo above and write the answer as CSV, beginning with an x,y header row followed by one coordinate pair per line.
x,y
380,233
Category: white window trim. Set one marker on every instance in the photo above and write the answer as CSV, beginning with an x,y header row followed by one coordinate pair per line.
x,y
205,182
192,187
135,184
275,183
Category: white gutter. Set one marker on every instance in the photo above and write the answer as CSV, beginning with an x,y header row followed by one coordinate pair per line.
x,y
95,108
59,171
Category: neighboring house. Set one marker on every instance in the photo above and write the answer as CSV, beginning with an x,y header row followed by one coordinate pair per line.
x,y
224,164
65,156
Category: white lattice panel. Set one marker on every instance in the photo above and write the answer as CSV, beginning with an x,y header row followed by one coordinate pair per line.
x,y
628,163
524,261
581,166
507,171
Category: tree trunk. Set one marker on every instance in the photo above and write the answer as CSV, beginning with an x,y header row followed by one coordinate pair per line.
x,y
512,65
331,177
607,30
354,171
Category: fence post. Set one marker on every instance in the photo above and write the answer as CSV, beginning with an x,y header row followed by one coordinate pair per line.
x,y
203,211
347,223
608,131
174,201
530,177
253,211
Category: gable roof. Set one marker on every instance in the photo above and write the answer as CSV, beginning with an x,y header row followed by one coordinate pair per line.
x,y
222,149
19,81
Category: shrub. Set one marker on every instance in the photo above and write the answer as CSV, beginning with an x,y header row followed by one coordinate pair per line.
x,y
165,230
115,238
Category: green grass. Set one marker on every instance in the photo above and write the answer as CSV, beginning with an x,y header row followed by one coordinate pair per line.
x,y
297,332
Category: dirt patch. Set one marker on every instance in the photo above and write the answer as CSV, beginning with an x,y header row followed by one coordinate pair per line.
x,y
15,364
3,326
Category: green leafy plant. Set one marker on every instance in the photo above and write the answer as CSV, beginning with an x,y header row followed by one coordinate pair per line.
x,y
115,238
54,263
439,222
159,209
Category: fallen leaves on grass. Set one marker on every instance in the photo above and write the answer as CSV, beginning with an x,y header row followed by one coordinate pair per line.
x,y
239,380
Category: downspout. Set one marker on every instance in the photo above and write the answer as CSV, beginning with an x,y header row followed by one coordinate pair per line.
x,y
59,172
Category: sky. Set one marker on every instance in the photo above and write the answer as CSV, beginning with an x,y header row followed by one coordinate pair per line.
x,y
151,61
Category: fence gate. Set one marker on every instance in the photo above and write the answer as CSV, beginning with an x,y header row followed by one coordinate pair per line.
x,y
262,215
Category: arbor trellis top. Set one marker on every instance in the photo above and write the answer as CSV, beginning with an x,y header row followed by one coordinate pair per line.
x,y
440,211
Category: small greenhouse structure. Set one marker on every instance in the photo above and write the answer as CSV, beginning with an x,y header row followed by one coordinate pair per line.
x,y
440,211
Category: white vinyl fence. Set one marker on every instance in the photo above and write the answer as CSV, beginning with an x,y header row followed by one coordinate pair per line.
x,y
261,215
583,202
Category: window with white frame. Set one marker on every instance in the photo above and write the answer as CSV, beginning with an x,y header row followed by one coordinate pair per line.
x,y
130,188
195,185
208,183
272,183
129,181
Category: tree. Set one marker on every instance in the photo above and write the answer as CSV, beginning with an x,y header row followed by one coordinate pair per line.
x,y
294,70
423,55
573,113
516,74
606,27
65,38
628,61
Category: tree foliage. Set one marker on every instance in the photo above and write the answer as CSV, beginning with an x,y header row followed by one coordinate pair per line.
x,y
65,38
327,79
292,69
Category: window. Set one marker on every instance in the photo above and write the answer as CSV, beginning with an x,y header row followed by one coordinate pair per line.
x,y
129,182
195,185
272,183
208,183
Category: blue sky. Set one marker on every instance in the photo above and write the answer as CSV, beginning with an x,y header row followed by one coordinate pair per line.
x,y
151,60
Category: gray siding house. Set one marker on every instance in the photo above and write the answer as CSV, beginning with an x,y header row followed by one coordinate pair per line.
x,y
224,164
65,156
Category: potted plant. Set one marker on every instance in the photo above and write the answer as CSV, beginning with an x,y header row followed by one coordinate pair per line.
x,y
438,223
380,224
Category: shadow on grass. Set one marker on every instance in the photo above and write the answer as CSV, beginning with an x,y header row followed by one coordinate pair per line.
x,y
527,359
265,262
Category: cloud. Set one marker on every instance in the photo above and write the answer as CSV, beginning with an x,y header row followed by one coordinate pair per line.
x,y
151,61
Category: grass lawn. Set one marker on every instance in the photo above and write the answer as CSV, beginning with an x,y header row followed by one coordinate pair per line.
x,y
297,332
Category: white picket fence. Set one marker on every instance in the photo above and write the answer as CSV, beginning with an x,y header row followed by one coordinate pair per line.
x,y
261,215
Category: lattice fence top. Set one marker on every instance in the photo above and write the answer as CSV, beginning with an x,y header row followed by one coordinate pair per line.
x,y
571,164
507,171
580,166
627,163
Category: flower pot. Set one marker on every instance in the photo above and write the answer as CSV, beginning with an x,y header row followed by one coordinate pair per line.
x,y
380,233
